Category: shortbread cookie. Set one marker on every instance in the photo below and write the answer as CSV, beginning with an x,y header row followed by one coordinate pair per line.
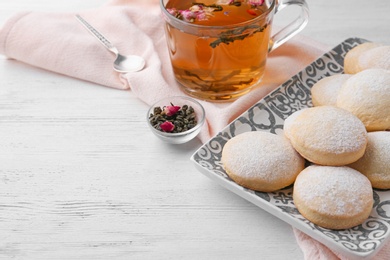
x,y
325,91
326,135
333,197
351,65
375,58
261,161
375,163
367,95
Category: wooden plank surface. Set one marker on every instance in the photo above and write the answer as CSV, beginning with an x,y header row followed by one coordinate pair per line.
x,y
81,176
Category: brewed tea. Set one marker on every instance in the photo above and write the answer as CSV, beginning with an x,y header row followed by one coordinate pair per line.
x,y
215,60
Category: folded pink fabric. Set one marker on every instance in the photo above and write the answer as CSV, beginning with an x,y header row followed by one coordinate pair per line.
x,y
58,43
312,249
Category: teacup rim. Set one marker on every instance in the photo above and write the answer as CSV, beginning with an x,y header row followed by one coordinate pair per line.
x,y
167,15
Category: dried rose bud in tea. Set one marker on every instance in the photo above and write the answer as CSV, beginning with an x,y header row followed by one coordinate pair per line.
x,y
220,12
171,110
167,126
173,119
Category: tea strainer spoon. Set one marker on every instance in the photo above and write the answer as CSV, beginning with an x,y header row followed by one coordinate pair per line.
x,y
130,63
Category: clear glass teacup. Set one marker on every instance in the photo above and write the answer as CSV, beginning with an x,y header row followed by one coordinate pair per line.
x,y
219,48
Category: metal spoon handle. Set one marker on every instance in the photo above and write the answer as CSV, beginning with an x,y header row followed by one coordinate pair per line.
x,y
103,40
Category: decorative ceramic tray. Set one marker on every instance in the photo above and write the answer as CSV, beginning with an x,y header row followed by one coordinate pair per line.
x,y
268,115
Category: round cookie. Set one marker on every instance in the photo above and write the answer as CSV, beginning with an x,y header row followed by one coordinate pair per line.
x,y
351,65
376,58
326,135
367,95
261,161
325,91
333,197
375,163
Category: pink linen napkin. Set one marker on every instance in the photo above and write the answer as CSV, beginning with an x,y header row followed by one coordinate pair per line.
x,y
312,249
58,43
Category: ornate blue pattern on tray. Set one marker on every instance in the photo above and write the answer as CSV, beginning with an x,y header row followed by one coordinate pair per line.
x,y
269,115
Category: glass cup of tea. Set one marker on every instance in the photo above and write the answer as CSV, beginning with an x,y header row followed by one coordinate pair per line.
x,y
218,48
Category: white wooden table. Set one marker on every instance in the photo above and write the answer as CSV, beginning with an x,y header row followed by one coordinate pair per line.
x,y
81,176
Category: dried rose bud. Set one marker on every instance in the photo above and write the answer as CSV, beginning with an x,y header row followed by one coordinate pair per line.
x,y
188,15
167,126
173,11
171,110
256,2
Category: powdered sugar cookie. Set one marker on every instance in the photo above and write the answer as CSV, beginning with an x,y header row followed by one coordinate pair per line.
x,y
351,65
375,58
261,161
333,197
375,163
326,135
325,91
367,95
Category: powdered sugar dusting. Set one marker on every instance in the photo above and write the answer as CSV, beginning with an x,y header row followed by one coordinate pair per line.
x,y
325,90
290,121
260,154
375,163
367,95
363,86
328,129
375,80
378,57
334,191
379,147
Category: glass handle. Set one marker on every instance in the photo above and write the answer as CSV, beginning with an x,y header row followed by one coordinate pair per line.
x,y
294,27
